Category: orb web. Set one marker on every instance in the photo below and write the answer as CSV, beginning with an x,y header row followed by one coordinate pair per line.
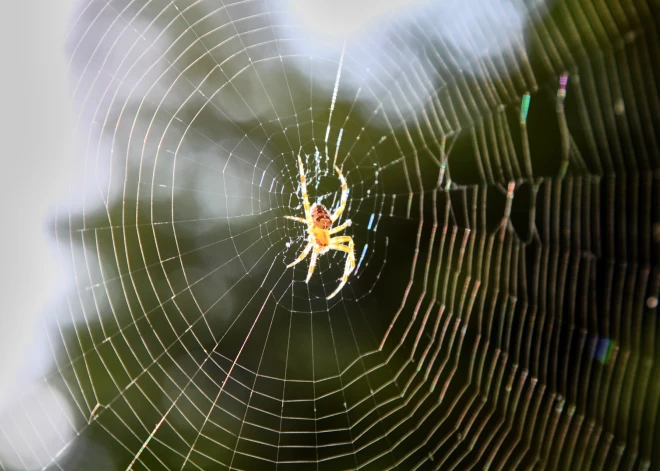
x,y
502,163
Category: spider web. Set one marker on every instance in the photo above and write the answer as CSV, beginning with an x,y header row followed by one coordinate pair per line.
x,y
502,163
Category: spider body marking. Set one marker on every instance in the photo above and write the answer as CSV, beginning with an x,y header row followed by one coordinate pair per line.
x,y
319,227
322,223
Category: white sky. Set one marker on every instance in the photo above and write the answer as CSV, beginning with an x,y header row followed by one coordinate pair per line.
x,y
36,129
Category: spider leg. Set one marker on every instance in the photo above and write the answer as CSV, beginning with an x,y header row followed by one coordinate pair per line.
x,y
303,186
341,240
344,196
336,244
340,228
304,253
312,263
296,219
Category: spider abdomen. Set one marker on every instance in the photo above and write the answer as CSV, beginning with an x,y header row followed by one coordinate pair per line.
x,y
321,218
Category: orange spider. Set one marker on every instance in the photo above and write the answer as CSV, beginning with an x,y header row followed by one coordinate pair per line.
x,y
319,226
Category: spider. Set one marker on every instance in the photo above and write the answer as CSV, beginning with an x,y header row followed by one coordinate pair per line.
x,y
319,226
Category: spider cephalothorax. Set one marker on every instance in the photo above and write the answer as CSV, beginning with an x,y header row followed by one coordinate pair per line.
x,y
320,230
